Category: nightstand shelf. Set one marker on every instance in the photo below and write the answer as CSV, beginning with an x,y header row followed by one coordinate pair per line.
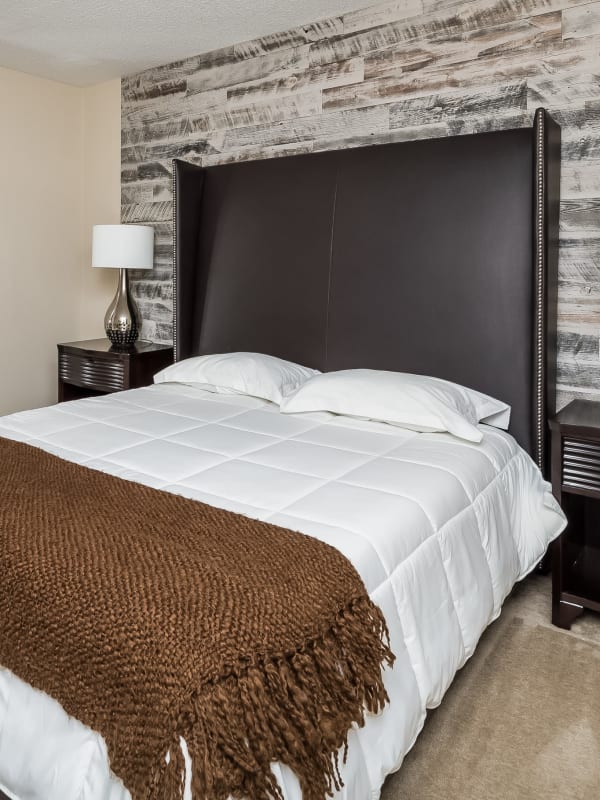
x,y
576,486
91,368
581,580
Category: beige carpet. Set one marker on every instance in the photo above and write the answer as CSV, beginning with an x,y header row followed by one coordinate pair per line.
x,y
522,719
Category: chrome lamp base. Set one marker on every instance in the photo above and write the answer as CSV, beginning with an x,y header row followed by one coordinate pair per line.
x,y
122,321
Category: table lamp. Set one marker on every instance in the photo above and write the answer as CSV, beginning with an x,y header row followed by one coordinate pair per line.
x,y
123,247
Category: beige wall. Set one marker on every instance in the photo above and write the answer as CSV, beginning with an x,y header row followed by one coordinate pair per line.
x,y
59,169
101,199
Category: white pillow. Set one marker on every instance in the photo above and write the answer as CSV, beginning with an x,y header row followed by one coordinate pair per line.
x,y
416,402
239,373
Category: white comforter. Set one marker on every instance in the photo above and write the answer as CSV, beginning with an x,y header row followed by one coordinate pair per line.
x,y
439,529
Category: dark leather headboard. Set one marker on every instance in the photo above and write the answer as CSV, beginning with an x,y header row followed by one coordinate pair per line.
x,y
437,257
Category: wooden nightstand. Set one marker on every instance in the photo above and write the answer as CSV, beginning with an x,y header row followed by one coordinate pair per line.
x,y
91,368
576,486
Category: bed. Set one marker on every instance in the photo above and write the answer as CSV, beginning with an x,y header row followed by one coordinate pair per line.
x,y
436,257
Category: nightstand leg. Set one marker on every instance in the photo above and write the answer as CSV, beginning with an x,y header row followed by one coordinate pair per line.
x,y
564,614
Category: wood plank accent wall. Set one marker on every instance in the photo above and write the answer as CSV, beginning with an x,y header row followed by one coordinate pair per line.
x,y
402,69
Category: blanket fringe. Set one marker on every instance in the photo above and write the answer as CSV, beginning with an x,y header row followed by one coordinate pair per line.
x,y
296,709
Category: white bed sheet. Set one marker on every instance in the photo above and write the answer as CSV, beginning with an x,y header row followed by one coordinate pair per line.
x,y
439,529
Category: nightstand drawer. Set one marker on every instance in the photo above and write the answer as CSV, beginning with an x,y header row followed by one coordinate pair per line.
x,y
581,464
94,367
105,375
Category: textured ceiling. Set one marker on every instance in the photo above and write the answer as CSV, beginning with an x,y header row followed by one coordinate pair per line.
x,y
87,41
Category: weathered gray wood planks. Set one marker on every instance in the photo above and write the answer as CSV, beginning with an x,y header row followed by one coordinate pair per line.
x,y
401,69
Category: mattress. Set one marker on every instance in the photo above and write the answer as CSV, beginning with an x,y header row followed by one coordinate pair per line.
x,y
438,528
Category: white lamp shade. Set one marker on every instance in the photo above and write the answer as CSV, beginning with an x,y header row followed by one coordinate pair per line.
x,y
123,246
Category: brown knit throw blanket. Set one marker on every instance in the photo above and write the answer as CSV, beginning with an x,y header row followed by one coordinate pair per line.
x,y
149,616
